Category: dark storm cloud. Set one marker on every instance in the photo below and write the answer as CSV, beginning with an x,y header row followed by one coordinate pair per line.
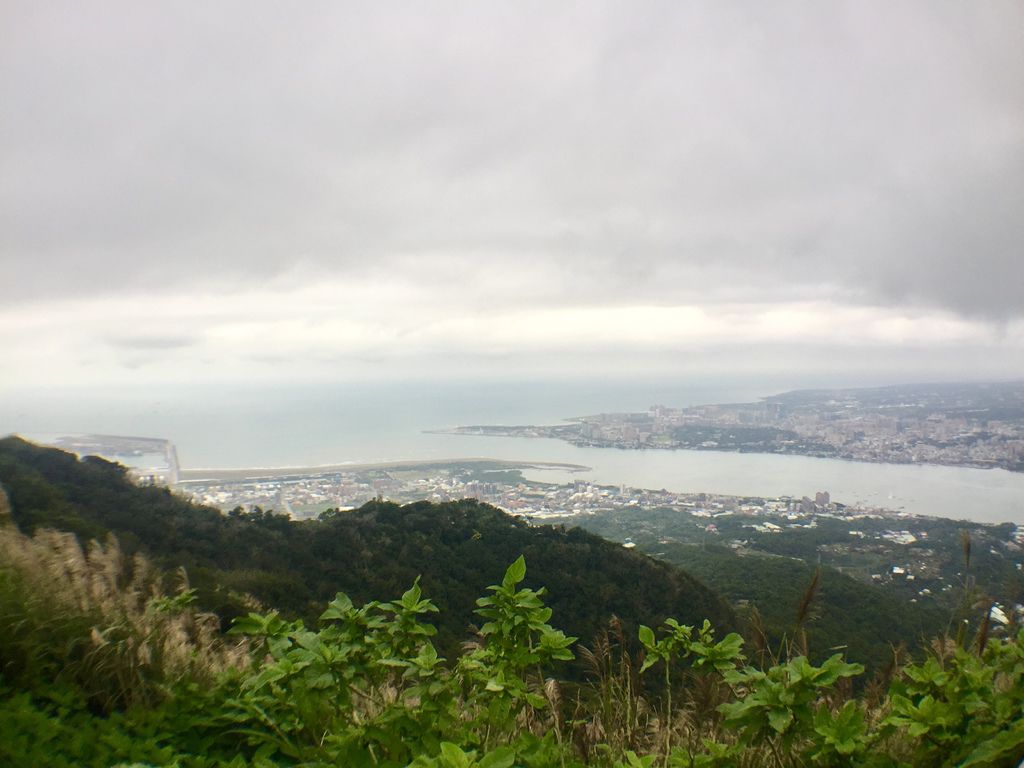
x,y
630,153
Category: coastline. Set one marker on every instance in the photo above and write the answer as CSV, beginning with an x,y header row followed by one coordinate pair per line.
x,y
202,474
472,431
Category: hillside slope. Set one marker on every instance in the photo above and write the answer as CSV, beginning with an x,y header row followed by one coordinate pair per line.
x,y
863,619
374,552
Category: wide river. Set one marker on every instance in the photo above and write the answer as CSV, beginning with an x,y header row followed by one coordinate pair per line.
x,y
983,495
304,426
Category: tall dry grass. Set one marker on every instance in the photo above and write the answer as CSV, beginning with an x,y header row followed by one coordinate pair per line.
x,y
611,709
105,622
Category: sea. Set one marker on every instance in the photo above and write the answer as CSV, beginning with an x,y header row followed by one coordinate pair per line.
x,y
248,425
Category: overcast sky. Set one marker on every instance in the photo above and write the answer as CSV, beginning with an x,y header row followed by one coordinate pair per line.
x,y
209,190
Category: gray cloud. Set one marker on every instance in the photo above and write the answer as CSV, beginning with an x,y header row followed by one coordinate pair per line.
x,y
609,153
154,343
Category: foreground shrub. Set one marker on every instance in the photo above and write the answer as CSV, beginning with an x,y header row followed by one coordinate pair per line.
x,y
102,667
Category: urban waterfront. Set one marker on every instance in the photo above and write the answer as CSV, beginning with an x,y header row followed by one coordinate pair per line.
x,y
980,495
258,427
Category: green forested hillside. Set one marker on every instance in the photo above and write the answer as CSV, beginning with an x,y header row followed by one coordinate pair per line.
x,y
377,551
862,620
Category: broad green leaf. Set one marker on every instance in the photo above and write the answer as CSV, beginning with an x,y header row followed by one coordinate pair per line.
x,y
454,757
646,636
338,608
412,595
502,757
779,719
515,573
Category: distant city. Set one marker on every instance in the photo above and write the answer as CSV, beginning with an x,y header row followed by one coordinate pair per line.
x,y
969,425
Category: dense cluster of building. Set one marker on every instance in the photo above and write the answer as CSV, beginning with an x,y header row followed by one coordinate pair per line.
x,y
847,433
307,495
979,426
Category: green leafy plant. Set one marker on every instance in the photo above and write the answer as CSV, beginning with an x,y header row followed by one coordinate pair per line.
x,y
960,707
368,684
781,708
517,644
679,643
